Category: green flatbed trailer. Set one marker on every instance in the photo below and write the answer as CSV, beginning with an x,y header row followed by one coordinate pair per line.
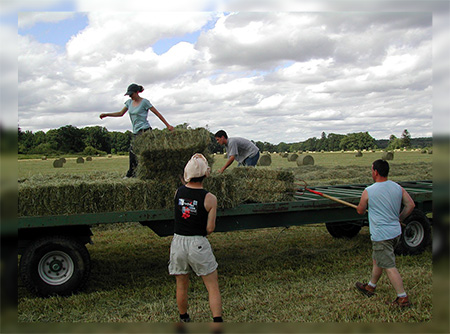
x,y
55,261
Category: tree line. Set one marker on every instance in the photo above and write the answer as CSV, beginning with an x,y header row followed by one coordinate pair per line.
x,y
98,140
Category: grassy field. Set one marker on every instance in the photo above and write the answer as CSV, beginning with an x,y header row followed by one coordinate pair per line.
x,y
300,274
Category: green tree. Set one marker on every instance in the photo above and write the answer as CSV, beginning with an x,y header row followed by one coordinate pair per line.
x,y
120,141
70,139
97,137
333,141
357,141
406,139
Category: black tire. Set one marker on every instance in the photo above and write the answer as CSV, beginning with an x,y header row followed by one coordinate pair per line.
x,y
55,265
416,234
343,230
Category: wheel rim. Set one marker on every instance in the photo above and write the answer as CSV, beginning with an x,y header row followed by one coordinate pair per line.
x,y
414,234
56,268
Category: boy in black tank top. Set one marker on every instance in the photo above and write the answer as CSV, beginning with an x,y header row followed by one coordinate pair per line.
x,y
190,250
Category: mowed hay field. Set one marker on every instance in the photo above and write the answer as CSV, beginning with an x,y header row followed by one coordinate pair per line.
x,y
300,274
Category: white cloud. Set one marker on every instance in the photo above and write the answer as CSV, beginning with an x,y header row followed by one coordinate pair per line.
x,y
266,76
29,19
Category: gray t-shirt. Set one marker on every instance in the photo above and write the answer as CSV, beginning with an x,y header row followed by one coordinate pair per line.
x,y
241,148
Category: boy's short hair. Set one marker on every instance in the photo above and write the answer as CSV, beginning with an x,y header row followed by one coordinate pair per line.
x,y
220,134
198,179
381,166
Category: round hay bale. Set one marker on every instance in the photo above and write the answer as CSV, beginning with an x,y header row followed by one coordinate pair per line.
x,y
265,160
58,163
80,160
63,160
304,160
109,156
89,159
44,158
358,154
293,157
388,156
284,155
430,151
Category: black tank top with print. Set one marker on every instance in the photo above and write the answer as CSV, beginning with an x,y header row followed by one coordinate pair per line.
x,y
191,216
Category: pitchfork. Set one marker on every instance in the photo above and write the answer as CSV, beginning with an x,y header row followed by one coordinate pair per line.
x,y
304,187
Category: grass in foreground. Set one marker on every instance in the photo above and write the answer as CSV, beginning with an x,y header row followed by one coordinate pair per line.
x,y
300,274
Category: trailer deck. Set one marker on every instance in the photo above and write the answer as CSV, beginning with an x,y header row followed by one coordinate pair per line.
x,y
55,261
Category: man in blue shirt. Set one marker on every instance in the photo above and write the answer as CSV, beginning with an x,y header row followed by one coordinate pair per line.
x,y
384,199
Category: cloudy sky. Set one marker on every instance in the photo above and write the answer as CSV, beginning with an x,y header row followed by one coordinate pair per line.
x,y
265,75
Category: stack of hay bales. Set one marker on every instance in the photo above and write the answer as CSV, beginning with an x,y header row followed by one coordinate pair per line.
x,y
163,154
41,195
97,192
250,185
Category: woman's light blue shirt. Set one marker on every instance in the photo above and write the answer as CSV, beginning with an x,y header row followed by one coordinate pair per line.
x,y
138,115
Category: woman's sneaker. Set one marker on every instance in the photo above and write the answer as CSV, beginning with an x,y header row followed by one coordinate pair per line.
x,y
365,288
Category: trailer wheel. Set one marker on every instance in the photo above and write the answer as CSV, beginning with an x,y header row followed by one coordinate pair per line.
x,y
55,265
343,230
416,234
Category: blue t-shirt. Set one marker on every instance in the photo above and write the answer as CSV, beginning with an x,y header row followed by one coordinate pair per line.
x,y
385,200
138,115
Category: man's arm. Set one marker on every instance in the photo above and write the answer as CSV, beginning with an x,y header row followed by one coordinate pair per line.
x,y
363,202
211,207
228,163
408,205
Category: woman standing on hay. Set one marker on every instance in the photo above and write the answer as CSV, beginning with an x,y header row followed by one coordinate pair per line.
x,y
138,108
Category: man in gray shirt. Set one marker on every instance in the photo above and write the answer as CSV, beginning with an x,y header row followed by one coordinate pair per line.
x,y
240,149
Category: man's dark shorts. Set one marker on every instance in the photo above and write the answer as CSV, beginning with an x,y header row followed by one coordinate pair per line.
x,y
383,252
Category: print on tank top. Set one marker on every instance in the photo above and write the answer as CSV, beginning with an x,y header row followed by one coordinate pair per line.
x,y
188,207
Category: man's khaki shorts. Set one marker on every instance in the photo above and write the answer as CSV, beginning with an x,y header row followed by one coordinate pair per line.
x,y
191,253
383,252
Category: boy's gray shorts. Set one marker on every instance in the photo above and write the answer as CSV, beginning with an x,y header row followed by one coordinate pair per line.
x,y
191,253
383,252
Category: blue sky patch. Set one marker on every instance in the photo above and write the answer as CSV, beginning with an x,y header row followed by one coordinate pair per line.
x,y
58,33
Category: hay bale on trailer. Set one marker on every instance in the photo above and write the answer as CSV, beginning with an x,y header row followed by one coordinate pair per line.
x,y
265,160
250,185
91,193
108,192
163,154
304,160
388,156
